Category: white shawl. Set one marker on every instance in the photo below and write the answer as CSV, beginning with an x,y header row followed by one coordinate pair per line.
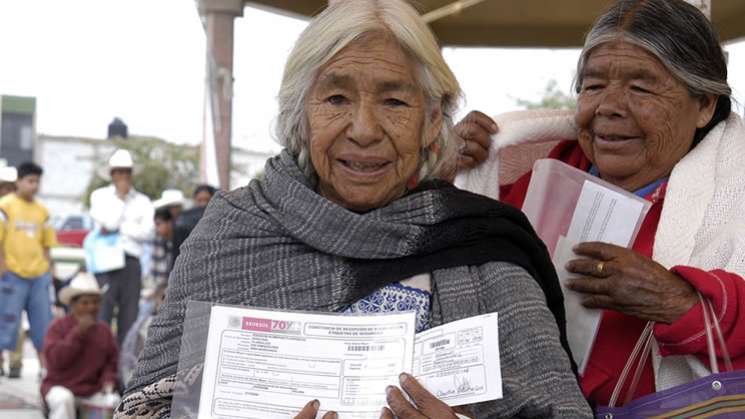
x,y
703,217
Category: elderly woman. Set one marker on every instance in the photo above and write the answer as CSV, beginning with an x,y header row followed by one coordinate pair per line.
x,y
349,218
653,117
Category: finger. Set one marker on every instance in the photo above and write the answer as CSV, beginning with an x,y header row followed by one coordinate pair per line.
x,y
599,250
483,120
603,302
309,410
400,406
591,267
330,415
466,162
428,404
473,132
475,151
590,285
386,414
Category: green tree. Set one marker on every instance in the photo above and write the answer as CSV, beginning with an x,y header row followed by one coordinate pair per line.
x,y
553,98
159,165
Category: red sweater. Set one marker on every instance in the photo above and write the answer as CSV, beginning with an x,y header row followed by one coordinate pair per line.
x,y
618,332
81,363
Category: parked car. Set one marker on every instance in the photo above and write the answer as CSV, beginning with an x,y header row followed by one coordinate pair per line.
x,y
72,229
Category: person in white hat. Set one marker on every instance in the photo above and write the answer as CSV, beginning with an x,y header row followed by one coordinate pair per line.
x,y
120,209
8,178
173,199
81,353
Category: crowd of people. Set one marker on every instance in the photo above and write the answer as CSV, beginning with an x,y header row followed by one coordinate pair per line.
x,y
86,354
359,214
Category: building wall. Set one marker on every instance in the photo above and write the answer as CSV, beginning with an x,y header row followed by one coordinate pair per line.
x,y
68,167
17,129
247,164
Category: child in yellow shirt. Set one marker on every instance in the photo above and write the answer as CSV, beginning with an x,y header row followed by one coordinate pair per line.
x,y
25,239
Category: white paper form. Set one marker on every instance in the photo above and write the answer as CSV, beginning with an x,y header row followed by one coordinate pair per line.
x,y
582,323
601,215
458,362
604,215
269,364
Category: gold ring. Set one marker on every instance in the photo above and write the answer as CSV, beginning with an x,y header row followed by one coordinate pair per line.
x,y
599,267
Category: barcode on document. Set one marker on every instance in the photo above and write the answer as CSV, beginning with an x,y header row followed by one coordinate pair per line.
x,y
438,343
365,348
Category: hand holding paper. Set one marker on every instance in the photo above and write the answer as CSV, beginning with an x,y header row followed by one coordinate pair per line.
x,y
629,283
424,405
268,364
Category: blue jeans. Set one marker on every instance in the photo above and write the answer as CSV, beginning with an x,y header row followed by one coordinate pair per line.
x,y
30,294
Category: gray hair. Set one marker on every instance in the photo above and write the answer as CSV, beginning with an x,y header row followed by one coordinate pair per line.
x,y
336,27
679,35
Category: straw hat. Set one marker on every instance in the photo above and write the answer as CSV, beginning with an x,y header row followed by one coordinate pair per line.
x,y
121,159
169,198
84,283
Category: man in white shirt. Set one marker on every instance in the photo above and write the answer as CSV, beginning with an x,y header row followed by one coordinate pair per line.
x,y
120,209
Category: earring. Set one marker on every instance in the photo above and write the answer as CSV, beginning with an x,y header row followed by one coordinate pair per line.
x,y
412,182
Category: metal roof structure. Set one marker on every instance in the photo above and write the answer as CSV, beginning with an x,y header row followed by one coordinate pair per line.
x,y
517,23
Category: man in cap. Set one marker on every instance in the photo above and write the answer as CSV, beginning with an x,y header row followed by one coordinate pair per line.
x,y
25,238
120,209
81,353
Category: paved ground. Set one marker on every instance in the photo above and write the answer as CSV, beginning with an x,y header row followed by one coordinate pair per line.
x,y
24,390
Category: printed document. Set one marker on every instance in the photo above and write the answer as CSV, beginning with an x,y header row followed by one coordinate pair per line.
x,y
268,364
601,215
458,362
604,215
582,322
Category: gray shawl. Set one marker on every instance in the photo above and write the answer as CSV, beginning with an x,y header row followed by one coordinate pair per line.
x,y
277,243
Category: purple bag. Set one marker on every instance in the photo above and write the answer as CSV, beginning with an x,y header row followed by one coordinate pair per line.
x,y
720,395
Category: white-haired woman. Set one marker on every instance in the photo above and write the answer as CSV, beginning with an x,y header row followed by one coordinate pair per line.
x,y
349,218
653,117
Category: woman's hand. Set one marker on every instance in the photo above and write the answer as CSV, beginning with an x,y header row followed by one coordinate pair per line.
x,y
475,130
619,279
311,409
427,405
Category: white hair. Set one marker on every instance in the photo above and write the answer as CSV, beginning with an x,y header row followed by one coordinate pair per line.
x,y
679,35
342,23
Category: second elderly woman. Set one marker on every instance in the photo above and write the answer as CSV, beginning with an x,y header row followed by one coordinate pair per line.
x,y
653,117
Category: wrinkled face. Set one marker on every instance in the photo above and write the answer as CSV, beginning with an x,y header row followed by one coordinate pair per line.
x,y
635,120
85,305
366,117
122,179
28,186
202,199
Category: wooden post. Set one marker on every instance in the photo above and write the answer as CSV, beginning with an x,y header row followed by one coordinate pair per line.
x,y
218,17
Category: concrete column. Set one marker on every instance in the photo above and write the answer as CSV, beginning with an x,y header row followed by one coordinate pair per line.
x,y
218,17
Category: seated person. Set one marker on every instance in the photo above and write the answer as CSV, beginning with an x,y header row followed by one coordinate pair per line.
x,y
81,353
